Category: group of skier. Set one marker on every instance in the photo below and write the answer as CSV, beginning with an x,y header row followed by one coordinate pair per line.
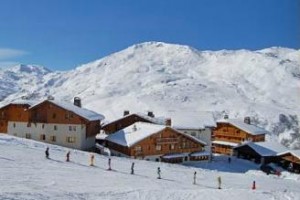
x,y
92,158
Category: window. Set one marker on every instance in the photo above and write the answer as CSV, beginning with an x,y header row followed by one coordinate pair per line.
x,y
54,115
71,139
158,147
138,148
43,137
55,127
74,128
28,135
28,124
53,138
43,126
172,146
67,116
70,128
14,125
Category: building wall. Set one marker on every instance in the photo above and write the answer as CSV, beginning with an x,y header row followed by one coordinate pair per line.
x,y
76,133
48,112
15,112
51,113
202,134
122,123
228,133
164,142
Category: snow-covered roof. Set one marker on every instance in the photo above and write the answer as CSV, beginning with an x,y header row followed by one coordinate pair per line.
x,y
249,128
101,136
175,155
21,102
139,131
155,120
85,113
201,153
295,153
134,133
191,119
225,143
268,148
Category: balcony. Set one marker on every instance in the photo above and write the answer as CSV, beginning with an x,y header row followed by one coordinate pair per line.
x,y
166,141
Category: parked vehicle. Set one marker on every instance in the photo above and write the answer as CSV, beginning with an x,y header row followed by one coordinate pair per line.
x,y
269,170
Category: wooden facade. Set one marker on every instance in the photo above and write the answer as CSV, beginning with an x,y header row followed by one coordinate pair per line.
x,y
289,161
48,112
124,122
228,133
166,141
13,112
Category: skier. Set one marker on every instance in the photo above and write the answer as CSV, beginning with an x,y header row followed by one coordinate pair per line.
x,y
47,152
195,174
132,168
68,156
92,159
109,164
229,160
219,182
158,173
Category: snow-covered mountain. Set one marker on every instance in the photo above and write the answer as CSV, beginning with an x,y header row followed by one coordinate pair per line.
x,y
160,77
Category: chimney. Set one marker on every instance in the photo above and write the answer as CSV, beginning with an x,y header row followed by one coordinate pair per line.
x,y
77,102
126,112
168,122
50,97
226,116
247,120
150,114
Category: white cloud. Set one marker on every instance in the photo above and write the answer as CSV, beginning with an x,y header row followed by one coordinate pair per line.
x,y
6,53
7,56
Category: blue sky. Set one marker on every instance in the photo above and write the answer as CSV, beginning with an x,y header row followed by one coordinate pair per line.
x,y
62,34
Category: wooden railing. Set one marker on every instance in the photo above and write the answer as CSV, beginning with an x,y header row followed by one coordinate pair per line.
x,y
166,140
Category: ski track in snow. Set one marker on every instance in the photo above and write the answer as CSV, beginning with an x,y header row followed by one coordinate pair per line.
x,y
27,174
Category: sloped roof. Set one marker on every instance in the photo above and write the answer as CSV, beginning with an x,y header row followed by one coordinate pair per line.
x,y
267,148
191,119
295,153
85,113
249,128
20,102
155,120
138,131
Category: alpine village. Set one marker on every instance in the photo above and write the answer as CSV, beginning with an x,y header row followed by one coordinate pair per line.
x,y
176,138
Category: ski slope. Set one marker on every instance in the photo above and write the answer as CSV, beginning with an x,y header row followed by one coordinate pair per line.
x,y
26,174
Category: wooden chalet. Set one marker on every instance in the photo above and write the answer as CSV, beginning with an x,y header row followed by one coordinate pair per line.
x,y
129,119
60,123
259,152
198,124
154,142
230,133
15,111
290,160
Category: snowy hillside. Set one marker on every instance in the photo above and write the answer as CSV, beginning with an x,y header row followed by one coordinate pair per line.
x,y
27,174
161,77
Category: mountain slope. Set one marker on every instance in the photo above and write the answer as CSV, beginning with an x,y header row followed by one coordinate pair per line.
x,y
160,77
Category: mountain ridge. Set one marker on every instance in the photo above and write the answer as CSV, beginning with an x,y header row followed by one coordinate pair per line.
x,y
263,84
